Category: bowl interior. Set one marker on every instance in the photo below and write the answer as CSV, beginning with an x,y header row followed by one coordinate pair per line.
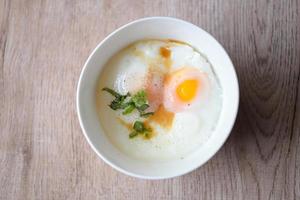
x,y
161,28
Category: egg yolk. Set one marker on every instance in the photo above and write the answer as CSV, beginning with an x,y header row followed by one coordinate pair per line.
x,y
187,90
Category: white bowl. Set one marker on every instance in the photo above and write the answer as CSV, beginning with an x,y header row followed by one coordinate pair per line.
x,y
162,28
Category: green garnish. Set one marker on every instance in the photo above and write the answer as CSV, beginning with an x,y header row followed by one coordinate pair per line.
x,y
143,107
133,134
115,104
139,126
119,100
128,109
112,92
139,102
140,98
148,114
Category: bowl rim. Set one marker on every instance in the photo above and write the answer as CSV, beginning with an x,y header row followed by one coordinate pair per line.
x,y
107,161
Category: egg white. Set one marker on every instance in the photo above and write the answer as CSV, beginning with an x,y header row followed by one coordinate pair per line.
x,y
126,71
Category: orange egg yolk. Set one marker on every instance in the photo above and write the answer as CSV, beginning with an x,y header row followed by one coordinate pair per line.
x,y
187,90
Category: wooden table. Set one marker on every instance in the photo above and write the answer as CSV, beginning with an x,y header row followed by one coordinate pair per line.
x,y
43,154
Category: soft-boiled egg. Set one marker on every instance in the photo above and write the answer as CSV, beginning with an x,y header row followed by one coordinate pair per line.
x,y
185,88
182,91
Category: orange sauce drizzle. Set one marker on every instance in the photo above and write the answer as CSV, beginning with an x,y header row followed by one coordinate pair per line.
x,y
162,117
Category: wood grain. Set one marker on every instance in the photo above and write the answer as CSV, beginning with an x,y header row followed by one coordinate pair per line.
x,y
43,154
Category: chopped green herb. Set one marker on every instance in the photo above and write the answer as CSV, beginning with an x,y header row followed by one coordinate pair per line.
x,y
126,104
137,101
139,126
133,134
116,94
128,109
118,102
115,104
139,98
143,107
112,92
148,114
